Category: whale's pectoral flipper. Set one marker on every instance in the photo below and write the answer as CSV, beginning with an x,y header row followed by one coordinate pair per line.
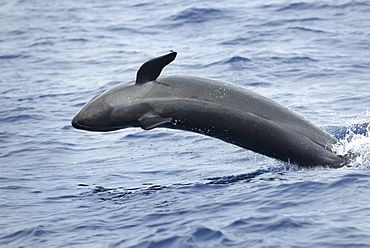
x,y
151,69
151,120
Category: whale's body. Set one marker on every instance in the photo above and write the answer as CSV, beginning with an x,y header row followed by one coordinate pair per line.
x,y
214,108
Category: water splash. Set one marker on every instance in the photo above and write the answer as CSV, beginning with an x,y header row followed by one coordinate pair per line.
x,y
355,142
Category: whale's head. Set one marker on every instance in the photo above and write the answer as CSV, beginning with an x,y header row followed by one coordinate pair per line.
x,y
124,104
94,116
110,110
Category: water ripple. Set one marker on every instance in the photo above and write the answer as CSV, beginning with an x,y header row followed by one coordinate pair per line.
x,y
197,15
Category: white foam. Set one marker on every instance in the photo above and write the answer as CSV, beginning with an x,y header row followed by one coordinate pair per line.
x,y
357,145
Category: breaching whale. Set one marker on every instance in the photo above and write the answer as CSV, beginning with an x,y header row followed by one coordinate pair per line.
x,y
210,107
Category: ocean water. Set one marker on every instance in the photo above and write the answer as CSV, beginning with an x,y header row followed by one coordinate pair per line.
x,y
62,187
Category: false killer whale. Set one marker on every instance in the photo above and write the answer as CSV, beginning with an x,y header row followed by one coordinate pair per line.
x,y
210,107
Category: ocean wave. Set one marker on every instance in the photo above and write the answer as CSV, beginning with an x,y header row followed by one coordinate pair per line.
x,y
119,194
307,29
234,61
300,6
13,56
21,117
295,59
23,236
197,15
282,22
358,5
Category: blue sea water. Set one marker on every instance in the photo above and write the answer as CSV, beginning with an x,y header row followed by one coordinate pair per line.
x,y
62,187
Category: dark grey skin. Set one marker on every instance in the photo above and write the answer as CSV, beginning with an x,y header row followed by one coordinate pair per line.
x,y
210,107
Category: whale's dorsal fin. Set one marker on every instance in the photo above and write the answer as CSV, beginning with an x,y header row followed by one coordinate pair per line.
x,y
151,69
